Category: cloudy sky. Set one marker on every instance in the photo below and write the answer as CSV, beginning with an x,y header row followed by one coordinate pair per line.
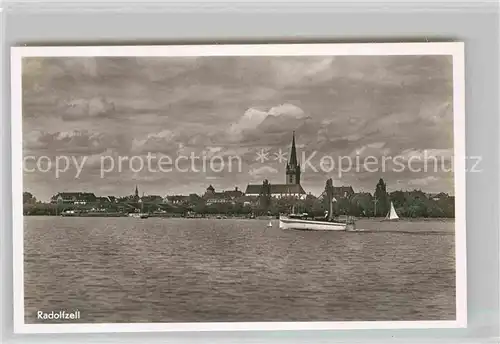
x,y
92,110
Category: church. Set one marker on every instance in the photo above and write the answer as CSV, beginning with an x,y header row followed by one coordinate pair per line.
x,y
291,188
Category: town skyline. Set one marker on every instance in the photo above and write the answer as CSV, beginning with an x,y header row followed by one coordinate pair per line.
x,y
339,106
202,191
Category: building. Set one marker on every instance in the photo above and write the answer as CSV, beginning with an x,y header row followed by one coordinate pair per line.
x,y
135,197
277,190
438,196
291,188
80,198
177,199
152,199
229,196
233,194
343,192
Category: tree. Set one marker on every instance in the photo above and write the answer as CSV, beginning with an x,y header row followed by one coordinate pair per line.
x,y
265,196
381,198
318,208
342,206
28,198
309,203
329,196
361,205
447,205
194,199
285,205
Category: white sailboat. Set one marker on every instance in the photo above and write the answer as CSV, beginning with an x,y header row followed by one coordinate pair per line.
x,y
391,214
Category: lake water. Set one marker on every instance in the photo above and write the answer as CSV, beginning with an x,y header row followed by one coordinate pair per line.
x,y
197,270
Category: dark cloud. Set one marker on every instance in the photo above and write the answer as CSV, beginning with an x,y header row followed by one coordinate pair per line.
x,y
337,106
77,142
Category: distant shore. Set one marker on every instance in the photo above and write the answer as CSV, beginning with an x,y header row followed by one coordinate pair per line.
x,y
158,215
235,217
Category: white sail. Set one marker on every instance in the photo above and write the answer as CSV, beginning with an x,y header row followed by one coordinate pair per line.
x,y
392,215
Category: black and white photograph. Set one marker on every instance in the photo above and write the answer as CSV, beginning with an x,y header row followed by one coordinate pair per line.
x,y
252,187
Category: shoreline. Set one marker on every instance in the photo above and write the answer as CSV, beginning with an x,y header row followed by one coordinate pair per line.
x,y
226,217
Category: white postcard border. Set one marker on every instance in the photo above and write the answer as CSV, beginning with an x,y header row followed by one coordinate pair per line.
x,y
455,49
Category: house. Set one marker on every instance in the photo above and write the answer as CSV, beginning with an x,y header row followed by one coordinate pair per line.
x,y
277,190
438,196
233,194
230,196
177,199
217,198
80,198
152,199
105,199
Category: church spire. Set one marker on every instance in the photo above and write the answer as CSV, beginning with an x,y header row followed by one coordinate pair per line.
x,y
293,167
136,191
293,153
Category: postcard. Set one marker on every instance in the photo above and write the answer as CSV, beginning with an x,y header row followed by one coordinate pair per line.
x,y
239,187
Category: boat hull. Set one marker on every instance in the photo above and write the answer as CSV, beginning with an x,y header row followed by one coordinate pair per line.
x,y
309,225
139,215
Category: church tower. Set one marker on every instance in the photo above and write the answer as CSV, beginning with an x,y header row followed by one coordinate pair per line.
x,y
293,167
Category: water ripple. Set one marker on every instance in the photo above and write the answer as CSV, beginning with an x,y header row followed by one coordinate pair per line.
x,y
186,270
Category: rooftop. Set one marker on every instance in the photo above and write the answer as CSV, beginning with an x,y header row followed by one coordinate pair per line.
x,y
255,189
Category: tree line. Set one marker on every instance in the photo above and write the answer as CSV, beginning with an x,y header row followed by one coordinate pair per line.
x,y
411,204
